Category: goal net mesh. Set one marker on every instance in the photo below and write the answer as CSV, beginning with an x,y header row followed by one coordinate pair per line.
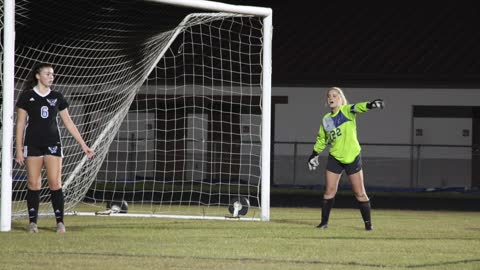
x,y
168,97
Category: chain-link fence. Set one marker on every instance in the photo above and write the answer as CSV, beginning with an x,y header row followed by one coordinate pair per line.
x,y
389,166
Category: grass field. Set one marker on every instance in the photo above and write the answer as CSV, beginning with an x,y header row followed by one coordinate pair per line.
x,y
400,240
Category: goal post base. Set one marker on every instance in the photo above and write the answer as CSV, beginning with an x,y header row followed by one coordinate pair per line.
x,y
111,214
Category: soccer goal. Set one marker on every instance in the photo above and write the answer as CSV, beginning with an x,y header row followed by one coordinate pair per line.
x,y
173,96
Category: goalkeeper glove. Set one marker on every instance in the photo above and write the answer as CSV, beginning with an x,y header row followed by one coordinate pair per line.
x,y
313,161
377,103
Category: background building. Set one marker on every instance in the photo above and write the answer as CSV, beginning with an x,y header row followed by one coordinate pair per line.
x,y
421,59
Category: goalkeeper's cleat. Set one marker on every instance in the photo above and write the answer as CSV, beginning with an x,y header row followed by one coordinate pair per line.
x,y
322,225
60,227
368,226
32,227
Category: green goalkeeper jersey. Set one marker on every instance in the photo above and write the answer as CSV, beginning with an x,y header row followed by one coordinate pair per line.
x,y
340,131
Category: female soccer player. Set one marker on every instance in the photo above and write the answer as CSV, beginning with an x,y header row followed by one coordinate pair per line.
x,y
38,142
339,129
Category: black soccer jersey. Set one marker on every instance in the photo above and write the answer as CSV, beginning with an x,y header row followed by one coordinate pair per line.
x,y
42,127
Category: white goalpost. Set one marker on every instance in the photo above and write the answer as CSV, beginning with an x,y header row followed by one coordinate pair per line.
x,y
173,96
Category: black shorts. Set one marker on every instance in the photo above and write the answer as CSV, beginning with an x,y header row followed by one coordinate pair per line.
x,y
40,151
335,166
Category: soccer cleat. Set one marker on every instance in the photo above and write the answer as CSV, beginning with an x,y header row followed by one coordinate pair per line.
x,y
368,226
322,225
60,227
32,228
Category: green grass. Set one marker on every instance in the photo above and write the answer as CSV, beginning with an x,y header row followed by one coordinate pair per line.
x,y
400,240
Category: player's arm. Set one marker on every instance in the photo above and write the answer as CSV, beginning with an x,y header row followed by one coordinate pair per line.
x,y
20,129
320,144
72,128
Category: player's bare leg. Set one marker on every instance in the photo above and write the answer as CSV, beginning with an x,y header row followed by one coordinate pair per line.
x,y
34,171
358,188
53,166
331,188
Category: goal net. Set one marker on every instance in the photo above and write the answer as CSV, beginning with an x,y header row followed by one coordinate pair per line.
x,y
174,99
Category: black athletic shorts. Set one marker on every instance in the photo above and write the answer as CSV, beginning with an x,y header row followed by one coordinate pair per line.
x,y
335,166
40,151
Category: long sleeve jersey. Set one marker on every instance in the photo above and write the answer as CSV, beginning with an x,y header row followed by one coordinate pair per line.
x,y
340,131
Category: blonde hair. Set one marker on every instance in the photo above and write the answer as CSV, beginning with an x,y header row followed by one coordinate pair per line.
x,y
339,92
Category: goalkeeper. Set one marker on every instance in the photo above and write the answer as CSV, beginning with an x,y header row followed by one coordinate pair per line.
x,y
339,129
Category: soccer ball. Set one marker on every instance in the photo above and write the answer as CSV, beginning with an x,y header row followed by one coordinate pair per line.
x,y
239,206
118,206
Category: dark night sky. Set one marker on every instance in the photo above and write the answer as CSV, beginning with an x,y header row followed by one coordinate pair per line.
x,y
383,44
386,44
